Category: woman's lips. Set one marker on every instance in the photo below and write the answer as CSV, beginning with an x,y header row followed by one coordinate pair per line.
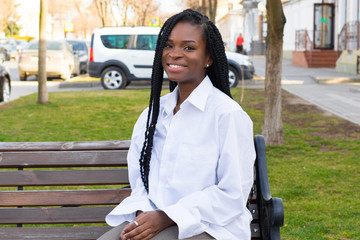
x,y
175,67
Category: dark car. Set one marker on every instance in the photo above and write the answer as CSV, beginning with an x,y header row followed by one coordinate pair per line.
x,y
5,84
80,49
9,44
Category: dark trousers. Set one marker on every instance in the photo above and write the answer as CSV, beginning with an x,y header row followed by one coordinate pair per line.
x,y
239,49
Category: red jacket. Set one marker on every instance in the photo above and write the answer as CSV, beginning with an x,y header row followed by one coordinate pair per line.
x,y
239,41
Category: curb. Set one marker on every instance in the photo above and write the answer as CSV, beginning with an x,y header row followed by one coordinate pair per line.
x,y
89,84
336,80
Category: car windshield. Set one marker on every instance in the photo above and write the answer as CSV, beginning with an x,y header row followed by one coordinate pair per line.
x,y
78,46
50,45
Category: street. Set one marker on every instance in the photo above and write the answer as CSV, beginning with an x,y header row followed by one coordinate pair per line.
x,y
341,99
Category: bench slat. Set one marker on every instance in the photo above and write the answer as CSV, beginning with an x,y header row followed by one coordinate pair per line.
x,y
63,146
54,215
63,177
53,233
63,159
63,198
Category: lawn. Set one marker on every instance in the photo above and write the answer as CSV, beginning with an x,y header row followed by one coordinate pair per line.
x,y
316,171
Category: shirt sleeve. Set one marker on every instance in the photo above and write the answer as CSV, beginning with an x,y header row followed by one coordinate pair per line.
x,y
224,202
138,200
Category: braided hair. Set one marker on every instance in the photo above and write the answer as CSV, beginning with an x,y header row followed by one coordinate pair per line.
x,y
217,72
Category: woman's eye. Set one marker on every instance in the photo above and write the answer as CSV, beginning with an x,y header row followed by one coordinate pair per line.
x,y
189,48
167,45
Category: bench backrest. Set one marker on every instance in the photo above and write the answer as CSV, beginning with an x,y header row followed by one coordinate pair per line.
x,y
74,184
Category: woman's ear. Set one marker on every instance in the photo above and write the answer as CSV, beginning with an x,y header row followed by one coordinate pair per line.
x,y
209,62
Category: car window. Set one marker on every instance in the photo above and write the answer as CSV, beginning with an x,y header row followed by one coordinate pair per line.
x,y
115,41
78,46
146,42
53,46
49,46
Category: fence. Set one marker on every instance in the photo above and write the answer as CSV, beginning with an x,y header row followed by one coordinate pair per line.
x,y
349,37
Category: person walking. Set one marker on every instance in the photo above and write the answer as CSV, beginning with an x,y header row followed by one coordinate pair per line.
x,y
239,44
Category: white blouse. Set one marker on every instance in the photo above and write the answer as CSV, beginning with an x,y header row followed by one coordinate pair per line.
x,y
201,168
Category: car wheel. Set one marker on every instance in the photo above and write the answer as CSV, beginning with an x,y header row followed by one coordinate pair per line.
x,y
67,74
233,77
23,77
113,78
5,91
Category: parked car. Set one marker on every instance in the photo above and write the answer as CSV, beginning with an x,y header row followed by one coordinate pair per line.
x,y
80,49
21,44
2,54
119,55
60,60
5,84
9,44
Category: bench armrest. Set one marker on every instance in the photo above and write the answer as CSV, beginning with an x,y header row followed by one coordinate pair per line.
x,y
271,209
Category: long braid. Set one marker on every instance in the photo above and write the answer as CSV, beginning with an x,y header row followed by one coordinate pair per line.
x,y
218,73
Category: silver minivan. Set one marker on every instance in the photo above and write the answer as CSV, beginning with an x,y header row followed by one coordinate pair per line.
x,y
119,55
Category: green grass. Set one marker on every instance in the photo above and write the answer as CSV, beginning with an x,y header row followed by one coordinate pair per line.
x,y
315,172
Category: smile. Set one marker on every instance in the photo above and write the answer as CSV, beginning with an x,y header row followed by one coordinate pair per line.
x,y
175,66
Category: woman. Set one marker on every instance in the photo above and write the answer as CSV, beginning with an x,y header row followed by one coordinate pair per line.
x,y
192,170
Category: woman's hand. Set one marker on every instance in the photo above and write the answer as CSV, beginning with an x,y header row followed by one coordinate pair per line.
x,y
146,225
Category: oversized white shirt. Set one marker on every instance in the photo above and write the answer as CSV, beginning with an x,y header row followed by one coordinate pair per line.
x,y
201,168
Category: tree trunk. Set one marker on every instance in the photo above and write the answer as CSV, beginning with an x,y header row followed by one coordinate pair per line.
x,y
212,9
101,7
42,78
273,127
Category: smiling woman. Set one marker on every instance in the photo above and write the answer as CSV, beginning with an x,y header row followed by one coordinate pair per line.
x,y
185,156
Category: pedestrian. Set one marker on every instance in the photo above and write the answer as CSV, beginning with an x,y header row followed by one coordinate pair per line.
x,y
191,157
240,44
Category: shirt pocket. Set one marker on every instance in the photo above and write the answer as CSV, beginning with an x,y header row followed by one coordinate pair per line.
x,y
195,168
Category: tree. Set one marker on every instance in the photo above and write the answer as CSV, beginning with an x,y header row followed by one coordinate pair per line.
x,y
123,8
142,11
272,128
206,7
42,78
84,22
102,7
7,14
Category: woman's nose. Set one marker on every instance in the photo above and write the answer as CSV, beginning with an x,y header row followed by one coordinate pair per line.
x,y
175,52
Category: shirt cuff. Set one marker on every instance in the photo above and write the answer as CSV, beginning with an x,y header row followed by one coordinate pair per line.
x,y
188,224
126,210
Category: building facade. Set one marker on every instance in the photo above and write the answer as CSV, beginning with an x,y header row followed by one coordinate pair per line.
x,y
323,33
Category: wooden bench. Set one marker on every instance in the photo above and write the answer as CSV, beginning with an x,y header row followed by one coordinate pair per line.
x,y
75,184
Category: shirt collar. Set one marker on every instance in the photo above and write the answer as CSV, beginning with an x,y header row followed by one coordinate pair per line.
x,y
199,95
197,98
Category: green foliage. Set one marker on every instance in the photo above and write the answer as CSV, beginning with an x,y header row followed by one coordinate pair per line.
x,y
316,171
12,29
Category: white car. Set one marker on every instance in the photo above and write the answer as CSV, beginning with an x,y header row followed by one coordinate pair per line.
x,y
60,60
119,55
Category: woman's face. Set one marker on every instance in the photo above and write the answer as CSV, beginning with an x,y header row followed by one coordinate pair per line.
x,y
185,57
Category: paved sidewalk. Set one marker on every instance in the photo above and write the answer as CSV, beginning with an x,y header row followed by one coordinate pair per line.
x,y
341,98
